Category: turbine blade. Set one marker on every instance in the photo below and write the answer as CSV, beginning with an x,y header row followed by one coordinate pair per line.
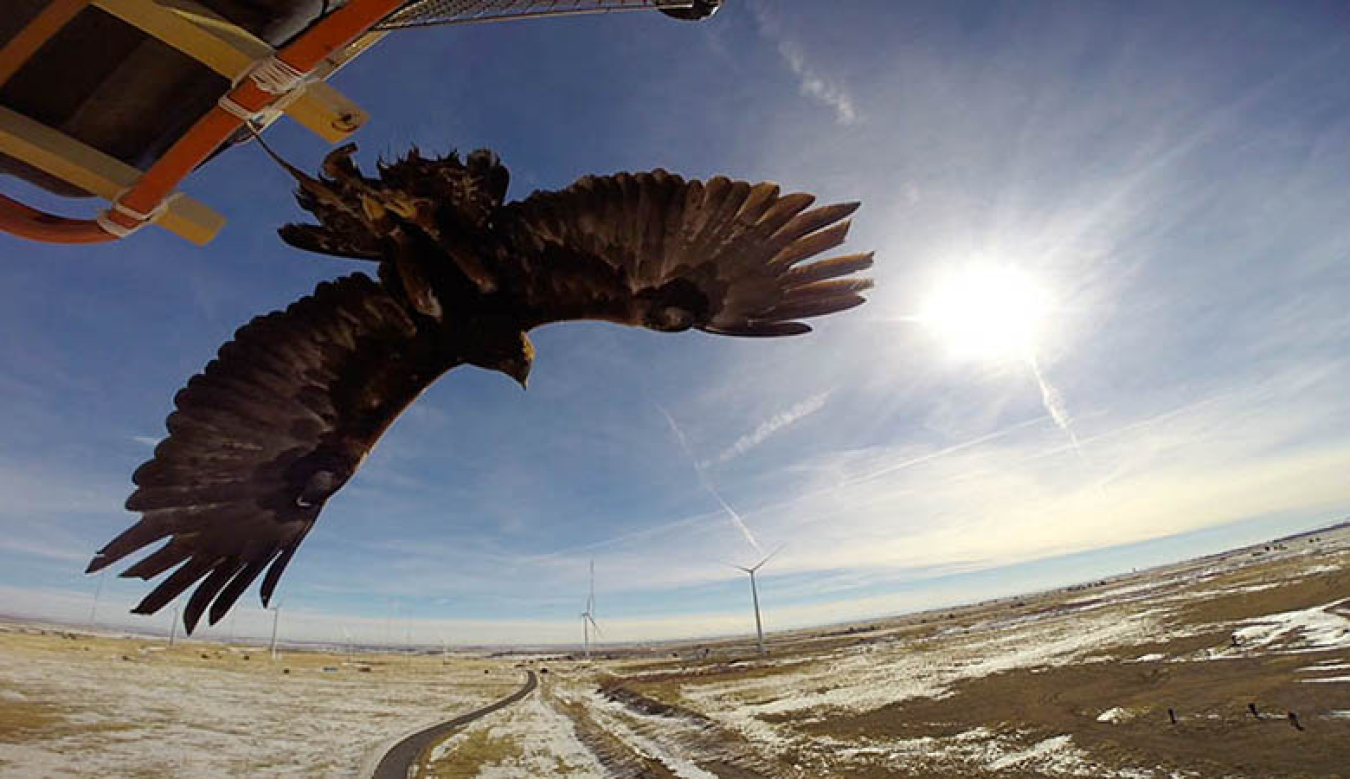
x,y
769,557
590,597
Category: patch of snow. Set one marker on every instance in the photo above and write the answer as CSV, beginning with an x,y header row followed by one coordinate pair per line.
x,y
1115,714
613,718
1246,588
547,742
976,734
865,681
1115,593
160,718
975,752
1341,679
1222,591
1307,630
1321,569
1040,752
1334,667
1151,657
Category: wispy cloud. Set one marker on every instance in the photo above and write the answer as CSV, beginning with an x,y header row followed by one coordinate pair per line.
x,y
69,553
768,427
811,83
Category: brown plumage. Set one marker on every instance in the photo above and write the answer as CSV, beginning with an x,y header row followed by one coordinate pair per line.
x,y
284,415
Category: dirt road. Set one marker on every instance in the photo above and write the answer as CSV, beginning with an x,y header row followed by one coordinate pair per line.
x,y
395,763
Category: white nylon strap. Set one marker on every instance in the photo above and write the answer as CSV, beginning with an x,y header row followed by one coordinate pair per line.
x,y
261,118
160,207
114,227
234,109
275,77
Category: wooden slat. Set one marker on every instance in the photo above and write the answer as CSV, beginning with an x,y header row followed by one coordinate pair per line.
x,y
230,50
97,173
39,30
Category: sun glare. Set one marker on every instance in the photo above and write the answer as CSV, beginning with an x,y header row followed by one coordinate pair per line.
x,y
989,313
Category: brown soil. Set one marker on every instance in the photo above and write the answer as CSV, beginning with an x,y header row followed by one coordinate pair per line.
x,y
1215,733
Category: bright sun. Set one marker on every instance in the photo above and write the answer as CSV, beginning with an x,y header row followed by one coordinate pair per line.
x,y
987,313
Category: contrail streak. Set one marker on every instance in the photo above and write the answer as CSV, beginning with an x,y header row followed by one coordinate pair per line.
x,y
1054,403
784,504
706,482
923,458
1050,397
788,503
770,426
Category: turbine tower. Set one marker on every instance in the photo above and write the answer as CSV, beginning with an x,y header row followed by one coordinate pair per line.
x,y
276,617
754,595
588,617
93,610
173,628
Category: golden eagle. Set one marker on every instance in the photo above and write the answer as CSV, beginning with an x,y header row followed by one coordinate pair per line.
x,y
282,418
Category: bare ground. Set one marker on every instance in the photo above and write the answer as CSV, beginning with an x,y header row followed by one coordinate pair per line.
x,y
1075,682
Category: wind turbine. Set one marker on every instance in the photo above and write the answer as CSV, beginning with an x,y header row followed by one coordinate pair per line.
x,y
276,617
588,616
754,594
173,627
347,637
407,637
389,617
93,610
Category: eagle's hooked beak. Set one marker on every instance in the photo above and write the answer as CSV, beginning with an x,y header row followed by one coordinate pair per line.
x,y
518,367
520,372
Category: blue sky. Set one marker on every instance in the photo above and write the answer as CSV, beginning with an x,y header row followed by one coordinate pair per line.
x,y
1172,177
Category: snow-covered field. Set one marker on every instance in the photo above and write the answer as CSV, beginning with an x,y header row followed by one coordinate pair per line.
x,y
126,708
528,739
1191,671
1233,665
1055,685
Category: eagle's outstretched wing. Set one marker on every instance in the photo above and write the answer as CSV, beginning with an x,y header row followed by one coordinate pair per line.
x,y
264,435
655,250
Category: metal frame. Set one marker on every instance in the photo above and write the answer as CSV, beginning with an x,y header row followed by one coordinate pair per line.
x,y
507,10
231,51
141,197
97,173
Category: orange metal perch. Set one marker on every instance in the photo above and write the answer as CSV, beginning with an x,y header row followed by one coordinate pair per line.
x,y
302,55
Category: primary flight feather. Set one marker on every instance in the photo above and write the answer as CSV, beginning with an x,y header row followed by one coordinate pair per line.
x,y
282,418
